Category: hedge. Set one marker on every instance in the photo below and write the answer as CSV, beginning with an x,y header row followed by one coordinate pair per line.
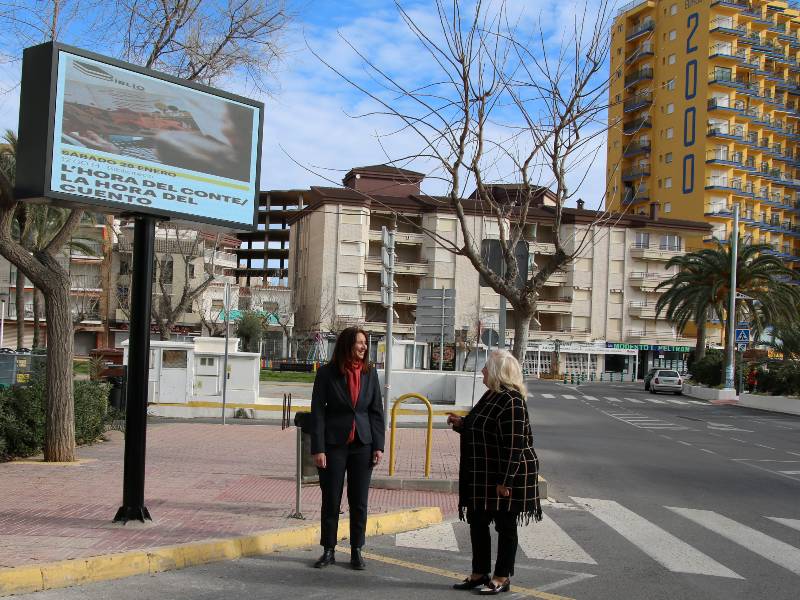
x,y
22,416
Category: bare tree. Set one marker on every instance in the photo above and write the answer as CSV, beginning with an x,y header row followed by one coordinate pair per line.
x,y
502,106
195,40
185,265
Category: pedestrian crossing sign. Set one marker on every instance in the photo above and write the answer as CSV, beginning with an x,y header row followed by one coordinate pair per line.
x,y
742,336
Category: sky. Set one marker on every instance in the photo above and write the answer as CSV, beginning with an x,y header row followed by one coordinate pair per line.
x,y
312,135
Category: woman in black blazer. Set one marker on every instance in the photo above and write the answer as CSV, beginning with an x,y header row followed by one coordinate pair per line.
x,y
347,436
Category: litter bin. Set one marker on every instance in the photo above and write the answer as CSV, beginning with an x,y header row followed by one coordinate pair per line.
x,y
115,398
309,473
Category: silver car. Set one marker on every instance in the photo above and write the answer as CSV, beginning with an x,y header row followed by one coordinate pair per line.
x,y
666,380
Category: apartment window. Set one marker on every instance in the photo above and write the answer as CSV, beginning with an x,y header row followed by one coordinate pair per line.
x,y
670,108
668,157
670,84
670,133
668,182
673,35
619,73
671,59
670,242
667,207
618,98
619,28
619,51
207,361
642,239
673,10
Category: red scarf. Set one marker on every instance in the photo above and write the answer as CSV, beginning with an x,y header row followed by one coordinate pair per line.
x,y
352,373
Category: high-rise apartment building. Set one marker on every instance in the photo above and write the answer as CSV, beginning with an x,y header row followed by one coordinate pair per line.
x,y
705,114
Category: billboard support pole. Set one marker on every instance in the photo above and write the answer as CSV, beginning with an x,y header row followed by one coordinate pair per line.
x,y
133,508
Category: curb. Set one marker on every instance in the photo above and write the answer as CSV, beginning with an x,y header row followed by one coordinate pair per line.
x,y
419,484
36,578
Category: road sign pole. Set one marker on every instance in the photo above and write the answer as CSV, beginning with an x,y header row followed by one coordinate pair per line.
x,y
227,302
729,347
133,508
441,338
388,238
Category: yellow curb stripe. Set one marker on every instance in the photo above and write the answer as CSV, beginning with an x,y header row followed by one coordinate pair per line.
x,y
533,593
35,578
278,407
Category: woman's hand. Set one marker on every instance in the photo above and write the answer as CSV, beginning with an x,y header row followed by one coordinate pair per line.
x,y
454,420
320,460
503,491
376,457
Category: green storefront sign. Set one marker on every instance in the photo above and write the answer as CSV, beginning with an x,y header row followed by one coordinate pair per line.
x,y
654,347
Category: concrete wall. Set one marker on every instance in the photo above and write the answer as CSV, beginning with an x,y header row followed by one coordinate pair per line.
x,y
781,404
439,388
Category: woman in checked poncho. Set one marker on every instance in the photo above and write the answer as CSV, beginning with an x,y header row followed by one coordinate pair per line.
x,y
498,473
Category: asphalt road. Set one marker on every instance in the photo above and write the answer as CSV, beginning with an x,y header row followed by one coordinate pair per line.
x,y
651,497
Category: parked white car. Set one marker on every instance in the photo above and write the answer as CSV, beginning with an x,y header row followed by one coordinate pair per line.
x,y
666,380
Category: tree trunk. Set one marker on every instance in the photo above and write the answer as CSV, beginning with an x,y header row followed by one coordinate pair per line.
x,y
60,420
37,317
700,346
523,324
19,302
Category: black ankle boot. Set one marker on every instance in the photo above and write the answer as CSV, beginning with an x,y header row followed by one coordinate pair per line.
x,y
328,558
356,560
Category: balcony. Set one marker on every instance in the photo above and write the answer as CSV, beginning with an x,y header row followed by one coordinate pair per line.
x,y
719,210
638,102
725,105
726,51
636,125
637,172
735,185
642,309
642,51
656,253
645,74
373,264
647,281
561,306
640,30
636,148
563,335
726,26
400,237
397,328
399,297
733,5
722,156
726,132
542,248
630,196
557,278
638,336
85,283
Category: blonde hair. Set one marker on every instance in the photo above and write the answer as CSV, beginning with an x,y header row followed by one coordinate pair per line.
x,y
503,370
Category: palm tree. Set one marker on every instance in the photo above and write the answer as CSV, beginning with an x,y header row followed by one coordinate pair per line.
x,y
701,288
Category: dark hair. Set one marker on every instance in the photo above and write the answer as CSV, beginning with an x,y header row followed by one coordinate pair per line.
x,y
343,350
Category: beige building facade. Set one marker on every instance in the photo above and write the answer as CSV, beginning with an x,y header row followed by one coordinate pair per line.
x,y
597,315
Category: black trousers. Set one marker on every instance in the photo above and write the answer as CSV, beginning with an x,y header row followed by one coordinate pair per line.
x,y
356,461
505,523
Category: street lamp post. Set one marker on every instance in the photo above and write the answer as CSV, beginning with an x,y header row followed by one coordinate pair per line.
x,y
729,346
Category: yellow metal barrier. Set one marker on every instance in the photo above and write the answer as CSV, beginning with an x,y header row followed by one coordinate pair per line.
x,y
429,440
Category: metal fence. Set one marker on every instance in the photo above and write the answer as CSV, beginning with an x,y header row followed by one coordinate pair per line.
x,y
17,368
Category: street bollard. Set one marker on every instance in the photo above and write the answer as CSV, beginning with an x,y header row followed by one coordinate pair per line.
x,y
565,379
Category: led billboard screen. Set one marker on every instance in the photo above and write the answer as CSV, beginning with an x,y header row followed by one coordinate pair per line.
x,y
137,141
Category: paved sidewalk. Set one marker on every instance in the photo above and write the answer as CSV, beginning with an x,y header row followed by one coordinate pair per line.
x,y
203,481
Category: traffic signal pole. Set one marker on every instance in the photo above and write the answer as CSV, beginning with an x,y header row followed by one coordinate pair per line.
x,y
729,346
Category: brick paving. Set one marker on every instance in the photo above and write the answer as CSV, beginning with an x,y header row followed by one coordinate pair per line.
x,y
202,481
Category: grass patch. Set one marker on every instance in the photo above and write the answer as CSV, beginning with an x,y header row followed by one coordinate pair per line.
x,y
287,376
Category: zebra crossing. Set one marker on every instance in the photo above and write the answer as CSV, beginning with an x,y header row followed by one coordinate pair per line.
x,y
553,539
621,400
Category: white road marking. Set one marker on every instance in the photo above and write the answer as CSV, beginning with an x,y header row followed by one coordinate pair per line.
x,y
547,541
791,472
435,537
590,398
684,443
548,396
681,402
610,399
773,550
655,401
661,546
698,402
635,400
763,446
567,397
706,450
793,523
